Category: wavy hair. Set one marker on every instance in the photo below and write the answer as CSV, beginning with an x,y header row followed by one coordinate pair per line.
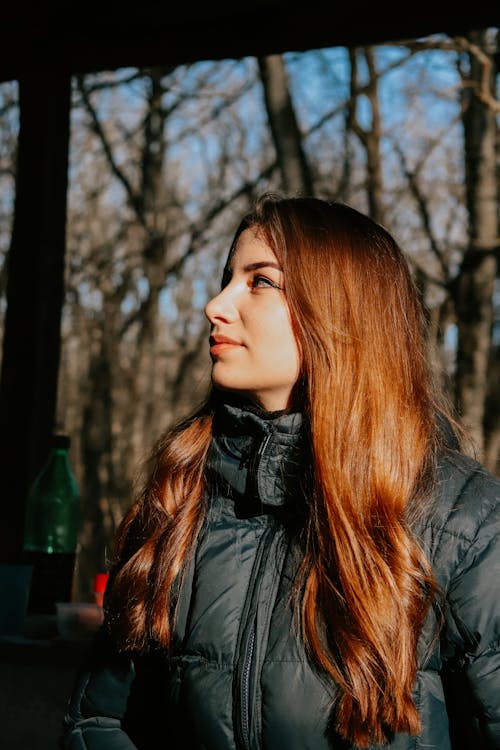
x,y
364,587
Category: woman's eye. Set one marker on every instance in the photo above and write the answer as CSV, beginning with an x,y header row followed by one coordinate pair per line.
x,y
259,281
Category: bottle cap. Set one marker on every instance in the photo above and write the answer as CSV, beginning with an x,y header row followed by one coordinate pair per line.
x,y
61,442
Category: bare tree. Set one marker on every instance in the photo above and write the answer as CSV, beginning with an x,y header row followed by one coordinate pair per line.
x,y
287,138
369,136
475,282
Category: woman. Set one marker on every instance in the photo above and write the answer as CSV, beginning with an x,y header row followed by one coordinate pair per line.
x,y
312,562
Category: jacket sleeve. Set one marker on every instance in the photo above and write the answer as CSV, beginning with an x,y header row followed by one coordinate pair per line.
x,y
96,709
473,630
122,700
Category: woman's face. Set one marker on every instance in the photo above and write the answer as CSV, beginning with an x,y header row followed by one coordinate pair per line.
x,y
253,349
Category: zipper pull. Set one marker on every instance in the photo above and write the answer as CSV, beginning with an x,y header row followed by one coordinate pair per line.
x,y
263,445
255,468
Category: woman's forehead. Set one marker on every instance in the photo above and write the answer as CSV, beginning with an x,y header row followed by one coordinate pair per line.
x,y
251,247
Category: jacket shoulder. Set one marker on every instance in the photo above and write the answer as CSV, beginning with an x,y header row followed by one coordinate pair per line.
x,y
467,497
464,516
466,560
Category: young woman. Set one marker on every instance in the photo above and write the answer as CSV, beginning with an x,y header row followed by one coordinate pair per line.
x,y
312,563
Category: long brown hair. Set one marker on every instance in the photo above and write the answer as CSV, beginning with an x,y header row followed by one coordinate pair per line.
x,y
364,587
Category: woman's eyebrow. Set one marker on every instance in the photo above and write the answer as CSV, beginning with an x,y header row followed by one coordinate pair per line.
x,y
261,264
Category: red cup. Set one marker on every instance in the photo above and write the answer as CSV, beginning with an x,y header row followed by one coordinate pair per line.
x,y
100,582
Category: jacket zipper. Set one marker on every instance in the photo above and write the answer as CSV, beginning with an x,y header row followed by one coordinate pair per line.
x,y
248,677
245,687
249,650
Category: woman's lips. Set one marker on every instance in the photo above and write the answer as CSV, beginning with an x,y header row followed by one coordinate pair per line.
x,y
220,344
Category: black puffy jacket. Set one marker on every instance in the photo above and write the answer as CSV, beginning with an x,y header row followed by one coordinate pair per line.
x,y
238,677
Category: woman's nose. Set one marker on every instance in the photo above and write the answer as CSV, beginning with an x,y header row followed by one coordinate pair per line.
x,y
222,307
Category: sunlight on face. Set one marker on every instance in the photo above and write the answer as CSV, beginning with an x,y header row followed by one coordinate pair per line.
x,y
252,345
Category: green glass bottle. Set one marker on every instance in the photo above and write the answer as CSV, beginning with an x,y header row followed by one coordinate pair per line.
x,y
51,530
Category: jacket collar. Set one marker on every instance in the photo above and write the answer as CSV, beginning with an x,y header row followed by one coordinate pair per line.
x,y
255,455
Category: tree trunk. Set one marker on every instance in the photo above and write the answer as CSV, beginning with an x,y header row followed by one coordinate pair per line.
x,y
155,209
287,138
475,282
370,137
96,437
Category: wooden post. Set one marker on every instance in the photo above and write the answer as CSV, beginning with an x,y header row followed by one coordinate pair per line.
x,y
35,289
